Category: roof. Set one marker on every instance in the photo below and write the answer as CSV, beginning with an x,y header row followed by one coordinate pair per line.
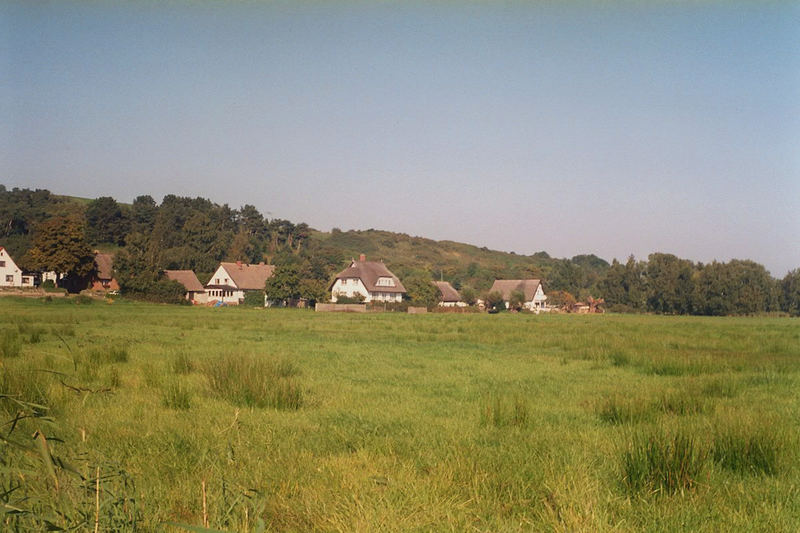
x,y
507,286
105,265
369,272
249,277
187,278
447,292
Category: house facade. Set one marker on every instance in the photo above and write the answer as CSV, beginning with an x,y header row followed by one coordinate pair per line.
x,y
448,295
231,281
535,299
370,279
195,292
10,274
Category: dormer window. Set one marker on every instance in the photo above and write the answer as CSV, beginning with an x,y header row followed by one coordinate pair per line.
x,y
385,282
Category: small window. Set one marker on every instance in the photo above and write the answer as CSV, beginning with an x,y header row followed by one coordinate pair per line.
x,y
216,281
10,279
2,263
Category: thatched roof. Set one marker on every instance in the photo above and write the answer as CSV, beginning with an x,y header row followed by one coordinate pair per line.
x,y
507,286
447,292
369,272
105,265
187,278
249,277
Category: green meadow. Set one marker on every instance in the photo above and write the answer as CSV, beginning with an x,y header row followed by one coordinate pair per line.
x,y
131,416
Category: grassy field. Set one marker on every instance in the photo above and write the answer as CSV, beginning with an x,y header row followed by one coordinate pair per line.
x,y
132,415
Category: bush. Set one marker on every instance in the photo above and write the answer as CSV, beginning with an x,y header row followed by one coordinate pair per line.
x,y
251,382
254,299
355,299
49,284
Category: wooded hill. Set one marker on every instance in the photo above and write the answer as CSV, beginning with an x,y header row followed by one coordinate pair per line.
x,y
196,234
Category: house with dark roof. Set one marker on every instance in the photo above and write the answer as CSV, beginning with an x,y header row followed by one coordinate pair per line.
x,y
231,281
448,296
103,278
371,279
195,292
531,288
10,274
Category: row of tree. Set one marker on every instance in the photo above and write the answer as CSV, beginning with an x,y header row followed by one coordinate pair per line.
x,y
49,232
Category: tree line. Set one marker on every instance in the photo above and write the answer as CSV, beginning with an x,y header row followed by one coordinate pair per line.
x,y
48,232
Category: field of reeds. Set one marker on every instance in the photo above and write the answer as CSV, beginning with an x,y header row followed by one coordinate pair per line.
x,y
131,416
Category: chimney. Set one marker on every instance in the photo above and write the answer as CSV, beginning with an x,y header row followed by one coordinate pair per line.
x,y
362,257
239,264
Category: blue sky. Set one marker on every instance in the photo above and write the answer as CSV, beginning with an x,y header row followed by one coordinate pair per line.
x,y
613,128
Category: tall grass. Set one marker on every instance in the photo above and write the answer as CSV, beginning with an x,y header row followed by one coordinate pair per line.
x,y
177,396
10,343
500,411
109,354
182,364
255,382
661,463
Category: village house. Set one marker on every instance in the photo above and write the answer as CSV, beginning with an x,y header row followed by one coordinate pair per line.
x,y
448,296
10,274
531,288
103,278
195,292
370,279
231,281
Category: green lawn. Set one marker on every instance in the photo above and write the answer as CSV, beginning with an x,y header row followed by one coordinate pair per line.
x,y
340,422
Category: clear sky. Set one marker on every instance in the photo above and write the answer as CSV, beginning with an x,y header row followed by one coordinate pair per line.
x,y
613,128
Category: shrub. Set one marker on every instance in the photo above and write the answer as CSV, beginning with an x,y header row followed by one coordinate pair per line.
x,y
48,284
253,299
662,463
355,299
252,382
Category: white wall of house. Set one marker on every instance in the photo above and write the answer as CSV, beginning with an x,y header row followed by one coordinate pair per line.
x,y
221,277
452,304
351,286
227,296
10,273
538,301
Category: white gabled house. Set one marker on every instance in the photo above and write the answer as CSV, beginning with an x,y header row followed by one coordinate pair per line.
x,y
371,279
532,289
10,274
231,281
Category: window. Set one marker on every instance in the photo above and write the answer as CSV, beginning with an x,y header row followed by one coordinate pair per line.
x,y
26,280
385,282
2,263
10,279
216,281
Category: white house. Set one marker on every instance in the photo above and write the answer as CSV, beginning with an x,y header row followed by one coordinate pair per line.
x,y
232,280
448,296
195,292
10,273
370,279
531,288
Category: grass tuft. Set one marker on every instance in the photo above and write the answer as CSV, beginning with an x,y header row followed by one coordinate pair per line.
x,y
109,354
177,396
754,453
659,463
10,343
618,410
182,364
499,411
251,382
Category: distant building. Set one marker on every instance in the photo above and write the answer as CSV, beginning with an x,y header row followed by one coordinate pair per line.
x,y
195,292
10,274
103,279
371,279
231,281
531,288
448,296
